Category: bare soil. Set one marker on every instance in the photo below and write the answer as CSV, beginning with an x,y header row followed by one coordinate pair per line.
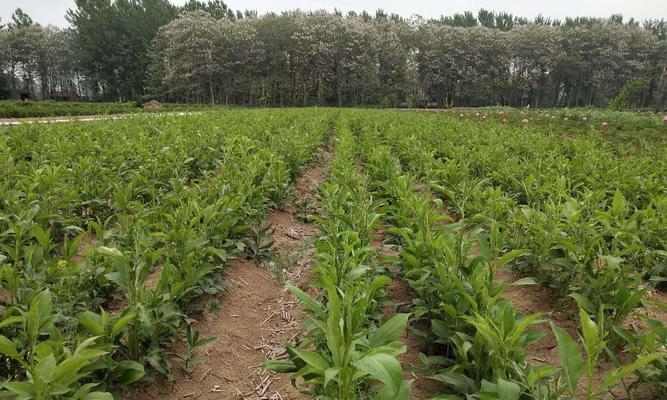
x,y
5,297
257,316
85,118
32,120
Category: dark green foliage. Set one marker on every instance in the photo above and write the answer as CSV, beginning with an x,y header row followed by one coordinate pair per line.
x,y
205,52
112,41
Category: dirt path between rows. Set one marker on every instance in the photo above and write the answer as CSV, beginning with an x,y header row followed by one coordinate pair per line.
x,y
257,314
87,118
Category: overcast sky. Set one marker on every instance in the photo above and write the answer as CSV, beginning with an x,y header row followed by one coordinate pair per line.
x,y
53,11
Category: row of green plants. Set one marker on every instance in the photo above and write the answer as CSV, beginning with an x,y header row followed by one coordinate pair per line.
x,y
625,129
349,350
25,109
112,233
476,341
592,220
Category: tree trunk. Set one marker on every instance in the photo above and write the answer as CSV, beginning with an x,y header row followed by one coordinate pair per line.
x,y
210,86
660,92
339,86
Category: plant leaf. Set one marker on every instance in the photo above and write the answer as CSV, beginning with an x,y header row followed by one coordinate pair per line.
x,y
389,331
383,367
570,358
613,377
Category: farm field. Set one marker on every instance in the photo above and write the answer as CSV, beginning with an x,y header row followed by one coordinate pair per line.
x,y
336,254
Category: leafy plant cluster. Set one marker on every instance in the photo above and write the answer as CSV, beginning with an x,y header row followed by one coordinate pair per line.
x,y
592,219
350,351
476,341
625,132
476,338
111,233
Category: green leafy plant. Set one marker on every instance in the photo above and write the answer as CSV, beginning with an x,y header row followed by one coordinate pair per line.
x,y
52,369
654,340
128,231
259,243
192,342
348,352
577,365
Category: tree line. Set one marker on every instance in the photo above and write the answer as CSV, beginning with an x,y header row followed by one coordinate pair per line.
x,y
206,52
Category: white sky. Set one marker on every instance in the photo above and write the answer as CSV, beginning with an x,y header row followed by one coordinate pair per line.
x,y
53,11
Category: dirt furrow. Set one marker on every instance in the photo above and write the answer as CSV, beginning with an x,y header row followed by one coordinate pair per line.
x,y
87,118
256,314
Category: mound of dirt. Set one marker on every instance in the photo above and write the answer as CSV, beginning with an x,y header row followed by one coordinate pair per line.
x,y
153,105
